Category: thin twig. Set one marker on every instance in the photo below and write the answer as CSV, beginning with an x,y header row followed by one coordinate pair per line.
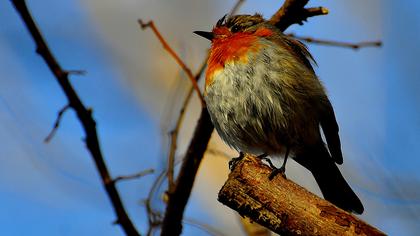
x,y
166,46
174,140
134,176
76,72
56,123
336,43
153,218
313,11
84,115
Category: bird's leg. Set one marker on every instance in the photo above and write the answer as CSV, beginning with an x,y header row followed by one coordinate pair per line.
x,y
234,161
282,169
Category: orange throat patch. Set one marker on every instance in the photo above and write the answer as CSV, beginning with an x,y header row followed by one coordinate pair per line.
x,y
224,50
233,47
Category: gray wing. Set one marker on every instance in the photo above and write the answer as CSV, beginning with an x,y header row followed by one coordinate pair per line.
x,y
327,117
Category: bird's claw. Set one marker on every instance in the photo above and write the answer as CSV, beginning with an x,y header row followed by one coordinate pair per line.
x,y
276,171
272,166
235,160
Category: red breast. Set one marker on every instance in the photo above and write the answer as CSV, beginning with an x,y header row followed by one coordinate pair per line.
x,y
232,47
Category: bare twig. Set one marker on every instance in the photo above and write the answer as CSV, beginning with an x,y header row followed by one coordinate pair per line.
x,y
134,176
338,44
294,12
283,206
153,217
56,123
313,11
76,72
174,141
187,70
84,115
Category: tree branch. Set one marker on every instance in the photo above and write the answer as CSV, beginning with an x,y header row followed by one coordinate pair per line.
x,y
283,206
84,115
294,12
336,43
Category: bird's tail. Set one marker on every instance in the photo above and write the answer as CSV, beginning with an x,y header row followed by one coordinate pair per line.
x,y
332,184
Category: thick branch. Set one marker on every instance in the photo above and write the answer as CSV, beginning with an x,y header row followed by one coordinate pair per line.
x,y
283,206
84,115
294,12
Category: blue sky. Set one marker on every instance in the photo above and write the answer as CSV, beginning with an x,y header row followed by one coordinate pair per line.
x,y
53,189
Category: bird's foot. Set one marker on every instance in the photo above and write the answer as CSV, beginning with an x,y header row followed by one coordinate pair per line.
x,y
235,160
265,158
276,171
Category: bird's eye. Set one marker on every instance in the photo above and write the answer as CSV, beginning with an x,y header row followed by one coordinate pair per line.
x,y
234,29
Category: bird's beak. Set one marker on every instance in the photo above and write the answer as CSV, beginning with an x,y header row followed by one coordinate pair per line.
x,y
205,34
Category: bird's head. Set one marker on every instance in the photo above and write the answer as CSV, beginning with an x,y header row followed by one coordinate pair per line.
x,y
229,26
234,38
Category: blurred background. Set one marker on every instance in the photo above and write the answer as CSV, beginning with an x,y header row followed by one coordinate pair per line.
x,y
135,89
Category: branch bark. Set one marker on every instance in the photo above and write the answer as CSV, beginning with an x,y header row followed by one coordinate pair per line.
x,y
294,12
283,206
84,115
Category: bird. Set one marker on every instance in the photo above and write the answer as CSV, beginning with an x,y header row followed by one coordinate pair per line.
x,y
264,98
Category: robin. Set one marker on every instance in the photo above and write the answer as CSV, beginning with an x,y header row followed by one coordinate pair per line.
x,y
264,98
